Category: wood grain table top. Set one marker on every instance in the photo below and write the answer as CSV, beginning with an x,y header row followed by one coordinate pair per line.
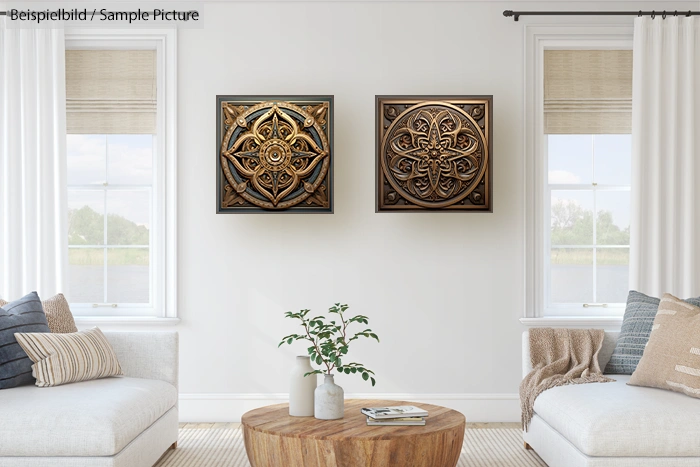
x,y
275,419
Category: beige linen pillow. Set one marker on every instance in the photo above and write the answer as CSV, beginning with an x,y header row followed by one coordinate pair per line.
x,y
58,313
68,358
671,359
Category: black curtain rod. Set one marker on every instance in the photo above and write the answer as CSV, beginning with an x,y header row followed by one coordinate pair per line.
x,y
517,14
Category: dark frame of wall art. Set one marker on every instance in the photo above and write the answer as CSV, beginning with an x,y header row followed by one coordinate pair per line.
x,y
274,154
434,154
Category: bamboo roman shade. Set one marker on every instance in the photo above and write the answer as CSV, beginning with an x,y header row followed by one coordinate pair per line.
x,y
587,91
111,91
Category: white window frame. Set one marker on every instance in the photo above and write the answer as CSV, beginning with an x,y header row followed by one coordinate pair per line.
x,y
539,38
163,309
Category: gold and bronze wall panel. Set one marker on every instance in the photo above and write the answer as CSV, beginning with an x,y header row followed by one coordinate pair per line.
x,y
434,153
275,153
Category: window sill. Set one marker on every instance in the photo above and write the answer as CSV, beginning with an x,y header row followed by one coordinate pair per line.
x,y
82,321
609,323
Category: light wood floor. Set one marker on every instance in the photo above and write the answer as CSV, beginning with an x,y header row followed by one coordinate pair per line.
x,y
203,426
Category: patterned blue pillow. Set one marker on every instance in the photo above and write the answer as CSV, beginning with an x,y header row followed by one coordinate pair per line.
x,y
23,315
634,335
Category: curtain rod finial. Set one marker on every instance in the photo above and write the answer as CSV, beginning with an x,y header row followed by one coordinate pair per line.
x,y
509,13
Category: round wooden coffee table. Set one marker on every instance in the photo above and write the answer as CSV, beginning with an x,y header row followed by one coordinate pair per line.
x,y
274,439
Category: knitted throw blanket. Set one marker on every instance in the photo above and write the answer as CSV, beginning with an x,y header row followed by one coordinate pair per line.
x,y
560,357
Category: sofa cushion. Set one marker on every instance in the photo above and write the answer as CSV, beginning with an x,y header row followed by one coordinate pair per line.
x,y
69,357
616,420
636,327
58,313
672,356
90,418
23,315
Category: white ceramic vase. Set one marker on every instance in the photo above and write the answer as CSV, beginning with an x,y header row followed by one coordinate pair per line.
x,y
329,401
301,389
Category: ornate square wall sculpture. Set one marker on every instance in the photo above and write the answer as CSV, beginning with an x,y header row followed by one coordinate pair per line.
x,y
275,154
434,153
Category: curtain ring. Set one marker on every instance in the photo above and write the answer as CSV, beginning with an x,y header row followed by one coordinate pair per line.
x,y
688,15
653,14
675,13
640,14
664,15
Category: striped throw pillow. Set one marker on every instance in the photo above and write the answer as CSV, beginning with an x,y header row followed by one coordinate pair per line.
x,y
58,313
23,315
69,358
671,359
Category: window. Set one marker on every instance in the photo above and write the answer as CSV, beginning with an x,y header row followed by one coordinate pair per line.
x,y
120,173
587,105
578,173
588,202
110,219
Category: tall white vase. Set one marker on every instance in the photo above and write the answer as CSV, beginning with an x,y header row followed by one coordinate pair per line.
x,y
329,400
301,389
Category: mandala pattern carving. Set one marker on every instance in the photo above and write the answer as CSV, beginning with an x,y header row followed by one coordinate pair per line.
x,y
433,154
275,155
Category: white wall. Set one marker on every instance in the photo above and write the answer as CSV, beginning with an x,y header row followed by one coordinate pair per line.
x,y
443,291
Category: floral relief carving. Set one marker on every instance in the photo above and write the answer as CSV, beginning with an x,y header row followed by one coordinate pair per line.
x,y
433,154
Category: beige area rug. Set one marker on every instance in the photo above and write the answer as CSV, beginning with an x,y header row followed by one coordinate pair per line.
x,y
222,446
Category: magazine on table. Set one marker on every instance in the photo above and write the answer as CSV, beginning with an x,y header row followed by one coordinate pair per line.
x,y
399,411
412,421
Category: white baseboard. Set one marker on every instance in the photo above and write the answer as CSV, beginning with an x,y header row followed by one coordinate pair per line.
x,y
229,407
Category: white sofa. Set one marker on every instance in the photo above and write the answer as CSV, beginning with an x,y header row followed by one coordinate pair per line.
x,y
127,421
613,424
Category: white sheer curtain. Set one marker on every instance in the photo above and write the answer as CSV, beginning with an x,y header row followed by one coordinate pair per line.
x,y
33,234
665,230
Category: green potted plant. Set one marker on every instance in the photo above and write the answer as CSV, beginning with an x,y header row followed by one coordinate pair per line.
x,y
330,341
